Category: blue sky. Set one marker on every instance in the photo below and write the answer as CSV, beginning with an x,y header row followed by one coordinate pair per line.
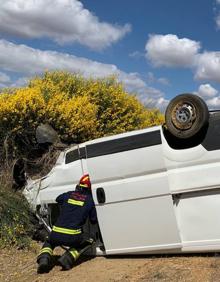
x,y
158,49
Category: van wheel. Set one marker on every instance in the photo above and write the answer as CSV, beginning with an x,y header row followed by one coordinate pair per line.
x,y
186,115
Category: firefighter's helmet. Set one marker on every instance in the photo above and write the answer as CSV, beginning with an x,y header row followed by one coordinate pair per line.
x,y
85,181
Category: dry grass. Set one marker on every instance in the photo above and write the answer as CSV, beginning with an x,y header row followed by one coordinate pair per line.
x,y
6,179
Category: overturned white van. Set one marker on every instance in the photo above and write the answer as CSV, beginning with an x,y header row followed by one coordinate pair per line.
x,y
156,190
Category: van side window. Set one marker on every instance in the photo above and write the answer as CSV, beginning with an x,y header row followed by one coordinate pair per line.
x,y
72,156
211,141
123,144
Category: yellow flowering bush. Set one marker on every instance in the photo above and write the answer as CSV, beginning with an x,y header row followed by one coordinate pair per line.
x,y
119,111
21,110
78,108
116,110
74,118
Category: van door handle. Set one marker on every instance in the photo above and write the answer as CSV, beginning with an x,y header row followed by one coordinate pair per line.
x,y
100,193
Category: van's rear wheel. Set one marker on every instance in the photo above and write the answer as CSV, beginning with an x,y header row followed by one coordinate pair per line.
x,y
186,115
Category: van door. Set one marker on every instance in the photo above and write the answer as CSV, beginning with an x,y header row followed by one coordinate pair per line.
x,y
131,192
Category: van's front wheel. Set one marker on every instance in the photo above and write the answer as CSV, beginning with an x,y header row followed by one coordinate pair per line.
x,y
186,115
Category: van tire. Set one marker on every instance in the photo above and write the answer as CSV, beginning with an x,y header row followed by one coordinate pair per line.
x,y
186,115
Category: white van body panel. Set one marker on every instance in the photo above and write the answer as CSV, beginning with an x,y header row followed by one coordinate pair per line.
x,y
191,169
198,217
129,232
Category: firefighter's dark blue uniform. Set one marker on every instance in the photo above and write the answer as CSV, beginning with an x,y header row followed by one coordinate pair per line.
x,y
76,207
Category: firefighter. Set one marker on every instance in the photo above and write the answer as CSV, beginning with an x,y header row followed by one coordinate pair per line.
x,y
76,207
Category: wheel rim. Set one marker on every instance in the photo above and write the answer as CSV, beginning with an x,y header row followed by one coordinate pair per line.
x,y
183,115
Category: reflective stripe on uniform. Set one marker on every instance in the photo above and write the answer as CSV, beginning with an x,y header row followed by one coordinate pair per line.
x,y
74,253
83,185
66,230
74,202
46,250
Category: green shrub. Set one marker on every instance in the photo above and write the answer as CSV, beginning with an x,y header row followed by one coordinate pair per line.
x,y
15,223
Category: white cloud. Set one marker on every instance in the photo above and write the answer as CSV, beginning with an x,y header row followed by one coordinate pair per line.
x,y
208,66
162,103
154,99
171,51
207,91
218,21
4,78
164,81
136,55
132,81
20,82
29,61
149,96
217,17
64,21
152,79
210,95
213,103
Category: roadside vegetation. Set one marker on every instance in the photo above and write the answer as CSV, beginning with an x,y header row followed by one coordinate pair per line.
x,y
78,109
15,224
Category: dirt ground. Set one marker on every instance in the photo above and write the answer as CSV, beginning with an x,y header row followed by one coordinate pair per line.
x,y
20,265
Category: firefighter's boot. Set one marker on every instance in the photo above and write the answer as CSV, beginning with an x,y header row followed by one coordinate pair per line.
x,y
44,263
68,258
